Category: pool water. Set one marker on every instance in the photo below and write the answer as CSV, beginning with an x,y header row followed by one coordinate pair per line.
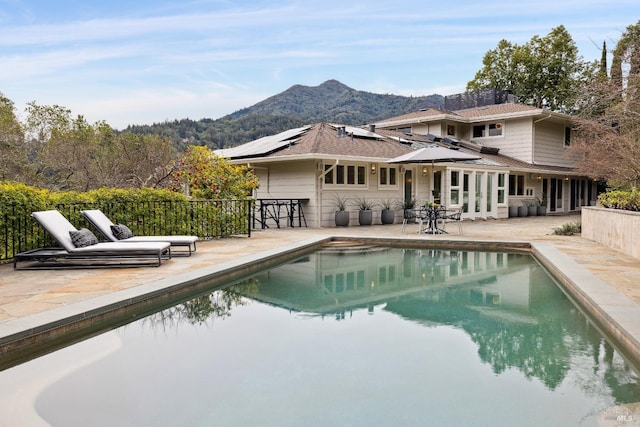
x,y
363,336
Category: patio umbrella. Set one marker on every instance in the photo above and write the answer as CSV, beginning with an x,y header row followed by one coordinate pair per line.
x,y
433,154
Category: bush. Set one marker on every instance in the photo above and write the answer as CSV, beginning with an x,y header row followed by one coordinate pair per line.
x,y
568,229
621,199
146,211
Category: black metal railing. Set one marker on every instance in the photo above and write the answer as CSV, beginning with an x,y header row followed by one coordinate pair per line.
x,y
207,219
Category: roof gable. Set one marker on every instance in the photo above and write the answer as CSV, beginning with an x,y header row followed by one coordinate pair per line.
x,y
320,140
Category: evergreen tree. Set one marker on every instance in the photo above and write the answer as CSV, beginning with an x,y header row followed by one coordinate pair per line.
x,y
603,60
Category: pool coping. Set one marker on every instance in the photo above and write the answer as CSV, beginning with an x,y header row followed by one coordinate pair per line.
x,y
614,314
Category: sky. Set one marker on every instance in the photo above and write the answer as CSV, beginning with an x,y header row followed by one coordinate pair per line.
x,y
149,61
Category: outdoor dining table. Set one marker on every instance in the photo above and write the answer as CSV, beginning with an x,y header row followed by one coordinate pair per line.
x,y
431,216
270,209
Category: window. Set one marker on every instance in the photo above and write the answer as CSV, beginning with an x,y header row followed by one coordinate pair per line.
x,y
495,129
516,185
501,188
388,176
344,175
489,129
451,130
454,192
567,136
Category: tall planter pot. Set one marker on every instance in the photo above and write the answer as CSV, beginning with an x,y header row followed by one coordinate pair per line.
x,y
542,210
365,217
387,216
342,218
532,210
513,211
523,210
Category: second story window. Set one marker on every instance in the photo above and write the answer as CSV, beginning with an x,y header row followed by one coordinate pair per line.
x,y
567,136
487,129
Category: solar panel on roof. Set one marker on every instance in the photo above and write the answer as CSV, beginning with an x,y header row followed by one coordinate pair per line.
x,y
265,145
358,132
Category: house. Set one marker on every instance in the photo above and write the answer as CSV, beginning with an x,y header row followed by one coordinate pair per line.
x,y
531,142
521,150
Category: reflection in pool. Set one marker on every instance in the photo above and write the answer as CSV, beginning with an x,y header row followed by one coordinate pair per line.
x,y
362,336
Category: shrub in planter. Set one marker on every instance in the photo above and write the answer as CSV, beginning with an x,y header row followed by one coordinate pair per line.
x,y
387,216
342,215
365,215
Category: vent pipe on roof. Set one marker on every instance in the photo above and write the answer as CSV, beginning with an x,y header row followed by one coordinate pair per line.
x,y
372,128
341,131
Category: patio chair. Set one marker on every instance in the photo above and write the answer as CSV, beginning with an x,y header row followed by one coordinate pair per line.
x,y
121,233
454,216
412,215
80,248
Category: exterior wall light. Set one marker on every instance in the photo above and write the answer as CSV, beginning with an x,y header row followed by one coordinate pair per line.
x,y
373,168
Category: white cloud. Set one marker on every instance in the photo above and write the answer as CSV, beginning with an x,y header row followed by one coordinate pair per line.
x,y
139,63
147,107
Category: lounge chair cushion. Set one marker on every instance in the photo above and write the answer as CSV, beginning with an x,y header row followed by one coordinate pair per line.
x,y
121,231
82,238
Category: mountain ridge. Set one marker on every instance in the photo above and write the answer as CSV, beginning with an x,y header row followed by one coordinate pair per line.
x,y
298,105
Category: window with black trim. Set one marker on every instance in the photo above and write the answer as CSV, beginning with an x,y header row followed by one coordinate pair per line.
x,y
388,176
345,175
567,136
516,185
488,129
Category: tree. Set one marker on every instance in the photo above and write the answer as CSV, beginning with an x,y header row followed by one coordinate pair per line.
x,y
626,56
208,176
602,71
68,153
14,163
606,143
544,73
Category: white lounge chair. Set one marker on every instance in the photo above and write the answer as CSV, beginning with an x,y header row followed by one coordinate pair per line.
x,y
108,254
104,225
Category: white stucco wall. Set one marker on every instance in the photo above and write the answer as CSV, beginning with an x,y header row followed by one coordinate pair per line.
x,y
614,228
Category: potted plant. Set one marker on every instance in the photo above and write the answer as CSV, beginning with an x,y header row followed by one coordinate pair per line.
x,y
532,207
542,205
365,216
387,216
342,215
523,210
513,211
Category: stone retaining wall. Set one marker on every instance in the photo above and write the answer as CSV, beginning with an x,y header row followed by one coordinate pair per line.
x,y
617,229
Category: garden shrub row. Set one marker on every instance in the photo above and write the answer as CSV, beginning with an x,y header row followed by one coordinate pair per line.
x,y
146,211
621,199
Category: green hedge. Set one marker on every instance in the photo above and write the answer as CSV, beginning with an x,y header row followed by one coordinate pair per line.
x,y
146,211
621,199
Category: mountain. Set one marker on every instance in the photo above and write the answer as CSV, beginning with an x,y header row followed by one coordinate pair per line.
x,y
331,101
335,102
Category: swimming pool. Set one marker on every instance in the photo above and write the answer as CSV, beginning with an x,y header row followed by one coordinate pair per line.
x,y
343,336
